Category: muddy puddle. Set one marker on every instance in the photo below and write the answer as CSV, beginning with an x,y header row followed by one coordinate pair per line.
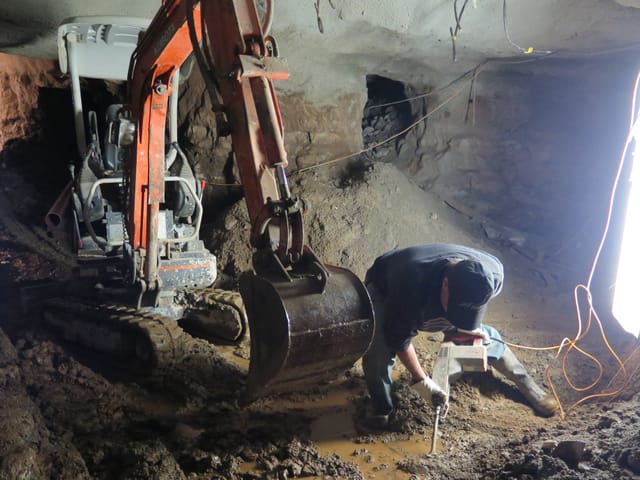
x,y
335,429
334,432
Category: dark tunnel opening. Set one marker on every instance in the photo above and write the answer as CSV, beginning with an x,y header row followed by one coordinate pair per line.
x,y
386,113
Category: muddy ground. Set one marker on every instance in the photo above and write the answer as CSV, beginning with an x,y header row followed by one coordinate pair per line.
x,y
68,413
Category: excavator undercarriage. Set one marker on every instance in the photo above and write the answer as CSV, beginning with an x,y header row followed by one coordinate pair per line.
x,y
137,208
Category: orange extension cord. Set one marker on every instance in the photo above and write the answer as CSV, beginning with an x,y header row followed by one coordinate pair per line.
x,y
572,344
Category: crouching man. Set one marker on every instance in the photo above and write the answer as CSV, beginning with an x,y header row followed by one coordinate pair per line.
x,y
432,288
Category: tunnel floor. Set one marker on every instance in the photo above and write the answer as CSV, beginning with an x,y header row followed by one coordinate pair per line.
x,y
72,413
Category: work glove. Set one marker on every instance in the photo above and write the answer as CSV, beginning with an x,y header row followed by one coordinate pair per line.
x,y
431,392
478,332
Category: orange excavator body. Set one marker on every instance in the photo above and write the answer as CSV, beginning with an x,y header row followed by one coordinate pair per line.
x,y
307,319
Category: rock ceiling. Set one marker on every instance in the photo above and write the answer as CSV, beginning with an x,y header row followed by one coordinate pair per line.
x,y
409,40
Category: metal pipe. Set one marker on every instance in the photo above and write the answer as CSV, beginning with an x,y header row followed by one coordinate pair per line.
x,y
71,40
173,118
59,207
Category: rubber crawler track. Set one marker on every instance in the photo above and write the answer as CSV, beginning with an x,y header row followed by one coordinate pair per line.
x,y
153,340
232,300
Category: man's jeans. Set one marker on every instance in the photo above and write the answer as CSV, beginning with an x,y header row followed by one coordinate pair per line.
x,y
379,360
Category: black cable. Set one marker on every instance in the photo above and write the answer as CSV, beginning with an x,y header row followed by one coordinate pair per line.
x,y
206,70
454,33
459,17
205,40
209,79
319,19
471,97
428,94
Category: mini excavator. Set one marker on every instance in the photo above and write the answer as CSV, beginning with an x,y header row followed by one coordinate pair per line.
x,y
137,209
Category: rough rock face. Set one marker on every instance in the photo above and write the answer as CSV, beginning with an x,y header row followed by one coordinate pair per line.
x,y
313,133
319,133
20,81
528,152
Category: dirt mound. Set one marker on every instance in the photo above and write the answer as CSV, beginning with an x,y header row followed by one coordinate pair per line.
x,y
352,219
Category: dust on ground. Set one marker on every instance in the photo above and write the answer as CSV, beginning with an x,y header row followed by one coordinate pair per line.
x,y
72,414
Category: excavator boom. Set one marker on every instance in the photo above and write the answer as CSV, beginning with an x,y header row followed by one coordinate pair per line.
x,y
306,319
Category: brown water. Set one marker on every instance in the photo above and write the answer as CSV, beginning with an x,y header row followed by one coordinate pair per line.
x,y
333,432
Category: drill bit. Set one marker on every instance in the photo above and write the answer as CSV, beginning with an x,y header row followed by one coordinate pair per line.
x,y
434,436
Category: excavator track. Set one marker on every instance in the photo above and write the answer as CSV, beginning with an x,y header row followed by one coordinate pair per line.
x,y
150,339
214,314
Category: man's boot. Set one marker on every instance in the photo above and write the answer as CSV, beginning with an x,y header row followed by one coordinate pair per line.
x,y
508,365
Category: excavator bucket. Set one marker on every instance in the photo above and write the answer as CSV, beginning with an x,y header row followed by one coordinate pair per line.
x,y
304,330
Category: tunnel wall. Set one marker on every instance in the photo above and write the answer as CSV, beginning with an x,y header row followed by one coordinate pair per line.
x,y
530,154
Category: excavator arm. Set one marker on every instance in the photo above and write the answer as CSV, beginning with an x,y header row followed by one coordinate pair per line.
x,y
307,319
243,71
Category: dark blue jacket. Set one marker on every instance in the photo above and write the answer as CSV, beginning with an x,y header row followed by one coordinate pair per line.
x,y
410,280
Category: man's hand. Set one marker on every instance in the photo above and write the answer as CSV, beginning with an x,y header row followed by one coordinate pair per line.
x,y
478,332
431,392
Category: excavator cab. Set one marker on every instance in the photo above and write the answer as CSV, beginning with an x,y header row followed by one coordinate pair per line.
x,y
100,176
307,320
96,188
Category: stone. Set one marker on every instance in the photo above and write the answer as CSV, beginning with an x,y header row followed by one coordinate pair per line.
x,y
571,451
21,464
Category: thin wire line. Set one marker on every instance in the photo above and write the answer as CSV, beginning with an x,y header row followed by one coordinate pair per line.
x,y
372,147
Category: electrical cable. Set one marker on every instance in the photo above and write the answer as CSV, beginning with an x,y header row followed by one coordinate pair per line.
x,y
454,32
632,131
424,95
206,41
471,101
202,57
507,61
502,61
475,73
572,344
376,145
316,5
